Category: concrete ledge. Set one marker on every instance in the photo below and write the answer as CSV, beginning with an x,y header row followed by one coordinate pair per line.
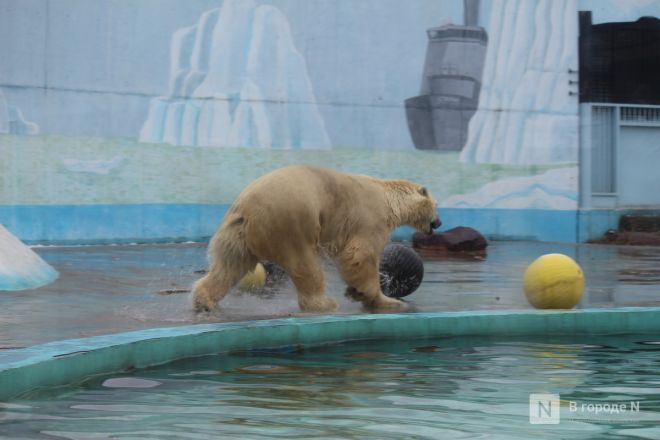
x,y
66,362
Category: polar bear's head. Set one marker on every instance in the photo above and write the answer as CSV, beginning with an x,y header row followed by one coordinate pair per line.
x,y
413,205
424,211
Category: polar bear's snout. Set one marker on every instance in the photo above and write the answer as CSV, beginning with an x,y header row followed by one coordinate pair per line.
x,y
435,224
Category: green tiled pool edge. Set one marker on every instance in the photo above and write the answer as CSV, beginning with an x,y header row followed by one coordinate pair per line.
x,y
65,362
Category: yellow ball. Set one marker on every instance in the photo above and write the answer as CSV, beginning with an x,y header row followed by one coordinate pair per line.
x,y
254,279
553,281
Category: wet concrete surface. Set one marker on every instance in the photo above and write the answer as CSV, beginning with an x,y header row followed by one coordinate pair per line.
x,y
108,289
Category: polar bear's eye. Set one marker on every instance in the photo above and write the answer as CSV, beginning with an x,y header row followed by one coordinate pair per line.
x,y
423,191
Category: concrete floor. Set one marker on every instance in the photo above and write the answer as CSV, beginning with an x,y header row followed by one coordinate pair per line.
x,y
107,289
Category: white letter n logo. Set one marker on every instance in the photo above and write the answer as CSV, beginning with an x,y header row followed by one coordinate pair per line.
x,y
544,409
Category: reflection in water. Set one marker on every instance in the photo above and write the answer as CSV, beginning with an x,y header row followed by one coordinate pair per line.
x,y
440,388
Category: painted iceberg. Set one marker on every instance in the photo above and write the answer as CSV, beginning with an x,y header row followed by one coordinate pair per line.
x,y
554,189
12,121
237,80
528,108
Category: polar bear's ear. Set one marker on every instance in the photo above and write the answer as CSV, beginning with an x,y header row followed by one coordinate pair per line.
x,y
423,191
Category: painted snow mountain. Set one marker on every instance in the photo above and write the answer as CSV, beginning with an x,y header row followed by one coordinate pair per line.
x,y
528,109
554,189
237,80
12,121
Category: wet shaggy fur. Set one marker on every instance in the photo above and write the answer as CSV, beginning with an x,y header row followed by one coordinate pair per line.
x,y
295,215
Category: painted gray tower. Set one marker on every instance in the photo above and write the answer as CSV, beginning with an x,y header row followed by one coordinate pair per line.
x,y
438,118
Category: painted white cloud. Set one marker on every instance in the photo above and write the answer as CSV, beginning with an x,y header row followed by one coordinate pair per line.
x,y
99,167
554,189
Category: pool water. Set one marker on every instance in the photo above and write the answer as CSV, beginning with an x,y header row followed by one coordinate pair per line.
x,y
436,388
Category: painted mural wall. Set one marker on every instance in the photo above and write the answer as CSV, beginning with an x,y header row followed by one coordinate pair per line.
x,y
126,120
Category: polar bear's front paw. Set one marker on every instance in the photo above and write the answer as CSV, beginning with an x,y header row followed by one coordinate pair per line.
x,y
318,304
384,303
204,305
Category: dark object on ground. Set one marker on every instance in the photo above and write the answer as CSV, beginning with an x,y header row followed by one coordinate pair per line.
x,y
274,274
458,239
639,223
634,230
172,291
632,238
401,271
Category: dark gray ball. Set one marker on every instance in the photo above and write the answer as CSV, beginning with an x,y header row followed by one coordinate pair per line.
x,y
401,271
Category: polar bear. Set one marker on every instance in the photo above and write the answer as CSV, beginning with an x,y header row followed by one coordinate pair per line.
x,y
295,215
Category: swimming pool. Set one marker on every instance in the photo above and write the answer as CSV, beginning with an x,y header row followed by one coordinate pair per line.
x,y
450,374
432,388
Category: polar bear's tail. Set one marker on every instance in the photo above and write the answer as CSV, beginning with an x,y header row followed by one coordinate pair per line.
x,y
229,259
